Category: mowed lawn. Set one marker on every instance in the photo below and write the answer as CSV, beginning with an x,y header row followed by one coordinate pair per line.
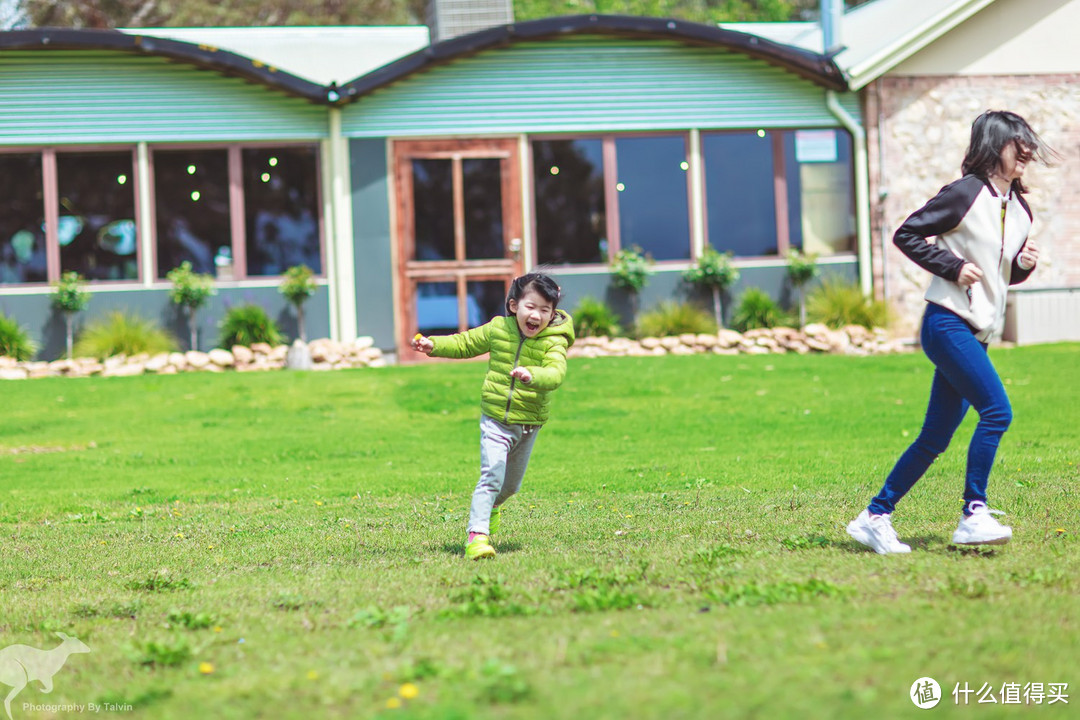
x,y
289,544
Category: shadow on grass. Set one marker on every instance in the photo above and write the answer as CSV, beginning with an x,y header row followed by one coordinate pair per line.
x,y
924,543
501,547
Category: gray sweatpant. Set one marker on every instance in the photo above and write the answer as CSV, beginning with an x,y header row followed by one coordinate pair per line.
x,y
504,455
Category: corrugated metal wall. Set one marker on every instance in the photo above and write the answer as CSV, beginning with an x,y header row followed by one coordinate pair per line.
x,y
592,83
73,96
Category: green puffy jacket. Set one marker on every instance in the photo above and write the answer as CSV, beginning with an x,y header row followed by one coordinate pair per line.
x,y
504,398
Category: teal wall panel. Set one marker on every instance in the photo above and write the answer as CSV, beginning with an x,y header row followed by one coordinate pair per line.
x,y
592,84
75,96
372,241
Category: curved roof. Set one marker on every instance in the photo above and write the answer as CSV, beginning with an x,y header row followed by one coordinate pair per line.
x,y
813,66
203,56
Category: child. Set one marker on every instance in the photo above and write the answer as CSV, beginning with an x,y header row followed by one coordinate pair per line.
x,y
981,223
527,362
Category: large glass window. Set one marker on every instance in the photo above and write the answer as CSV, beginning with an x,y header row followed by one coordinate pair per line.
x,y
191,190
96,224
824,190
281,206
571,220
654,212
22,220
740,199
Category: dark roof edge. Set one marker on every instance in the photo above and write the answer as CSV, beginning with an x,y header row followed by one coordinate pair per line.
x,y
820,69
204,56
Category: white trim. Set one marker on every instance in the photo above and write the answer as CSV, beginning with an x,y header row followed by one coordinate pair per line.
x,y
683,266
525,170
146,232
326,153
697,194
862,189
344,266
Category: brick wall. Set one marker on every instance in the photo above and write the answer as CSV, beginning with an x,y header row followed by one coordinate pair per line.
x,y
918,129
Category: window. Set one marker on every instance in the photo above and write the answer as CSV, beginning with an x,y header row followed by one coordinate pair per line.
x,y
593,196
22,221
281,209
191,192
769,191
96,223
571,221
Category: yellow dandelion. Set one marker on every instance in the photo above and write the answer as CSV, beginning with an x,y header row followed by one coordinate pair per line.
x,y
318,502
217,628
1060,530
408,691
180,535
614,633
206,668
312,675
629,516
393,703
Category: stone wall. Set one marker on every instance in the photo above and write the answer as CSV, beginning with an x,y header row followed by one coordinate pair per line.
x,y
918,130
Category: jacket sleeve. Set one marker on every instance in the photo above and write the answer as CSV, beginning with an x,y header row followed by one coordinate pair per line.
x,y
941,214
552,368
468,344
1019,274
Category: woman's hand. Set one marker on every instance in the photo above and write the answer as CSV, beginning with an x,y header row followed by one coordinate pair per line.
x,y
521,374
969,275
1029,255
423,344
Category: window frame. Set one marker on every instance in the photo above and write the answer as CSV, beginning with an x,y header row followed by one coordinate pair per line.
x,y
611,193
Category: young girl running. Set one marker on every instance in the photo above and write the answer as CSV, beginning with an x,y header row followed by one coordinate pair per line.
x,y
527,362
981,223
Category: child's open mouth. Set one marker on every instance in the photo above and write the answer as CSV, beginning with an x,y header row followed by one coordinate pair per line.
x,y
532,326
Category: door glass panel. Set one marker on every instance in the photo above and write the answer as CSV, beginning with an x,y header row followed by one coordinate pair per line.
x,y
96,225
22,221
483,208
433,209
436,308
487,299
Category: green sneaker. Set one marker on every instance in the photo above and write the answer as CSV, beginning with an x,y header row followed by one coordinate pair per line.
x,y
479,548
496,519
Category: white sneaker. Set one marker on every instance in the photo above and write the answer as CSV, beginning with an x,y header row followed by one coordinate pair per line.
x,y
876,532
980,527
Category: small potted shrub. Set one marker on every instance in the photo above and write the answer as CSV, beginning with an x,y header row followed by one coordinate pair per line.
x,y
190,291
715,273
297,285
70,297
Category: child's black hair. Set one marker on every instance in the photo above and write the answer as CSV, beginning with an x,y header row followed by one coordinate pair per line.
x,y
538,282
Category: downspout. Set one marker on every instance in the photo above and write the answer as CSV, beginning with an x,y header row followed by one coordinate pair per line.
x,y
862,189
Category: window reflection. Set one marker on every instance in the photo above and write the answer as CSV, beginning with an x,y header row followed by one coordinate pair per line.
x,y
437,308
22,221
482,179
824,188
571,219
191,189
97,215
488,297
433,203
654,211
281,208
740,196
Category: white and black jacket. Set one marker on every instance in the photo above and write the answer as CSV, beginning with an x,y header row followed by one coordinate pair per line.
x,y
966,218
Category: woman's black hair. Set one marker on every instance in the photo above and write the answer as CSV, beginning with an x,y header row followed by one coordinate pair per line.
x,y
540,283
990,133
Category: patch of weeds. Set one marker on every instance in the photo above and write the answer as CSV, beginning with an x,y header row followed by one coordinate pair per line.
x,y
165,653
785,592
287,601
422,668
605,598
807,542
1045,576
85,610
503,683
394,621
129,609
160,581
141,700
709,556
593,577
190,620
484,597
972,589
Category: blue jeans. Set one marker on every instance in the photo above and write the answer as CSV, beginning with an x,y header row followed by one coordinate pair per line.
x,y
963,378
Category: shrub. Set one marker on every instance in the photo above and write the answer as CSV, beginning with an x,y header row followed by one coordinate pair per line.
x,y
672,318
630,269
593,318
757,309
837,303
14,342
120,333
801,270
190,291
69,296
714,273
297,285
247,324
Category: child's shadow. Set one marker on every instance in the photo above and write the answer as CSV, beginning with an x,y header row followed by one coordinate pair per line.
x,y
501,547
918,542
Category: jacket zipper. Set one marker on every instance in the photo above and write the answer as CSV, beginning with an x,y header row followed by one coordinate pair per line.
x,y
1001,255
510,397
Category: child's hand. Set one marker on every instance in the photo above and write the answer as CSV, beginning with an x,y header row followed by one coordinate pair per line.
x,y
423,344
1029,255
521,374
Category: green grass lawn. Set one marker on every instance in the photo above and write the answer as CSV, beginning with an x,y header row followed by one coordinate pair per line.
x,y
289,544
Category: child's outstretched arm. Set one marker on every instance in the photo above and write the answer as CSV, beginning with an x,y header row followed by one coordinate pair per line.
x,y
468,344
422,344
552,369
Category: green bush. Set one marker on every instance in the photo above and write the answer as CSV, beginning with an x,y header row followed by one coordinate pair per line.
x,y
672,318
756,309
247,324
630,269
120,333
593,318
14,342
837,303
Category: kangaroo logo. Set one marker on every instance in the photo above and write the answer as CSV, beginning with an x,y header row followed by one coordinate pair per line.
x,y
21,664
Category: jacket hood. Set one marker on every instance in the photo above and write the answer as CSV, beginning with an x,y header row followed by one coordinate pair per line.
x,y
561,324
